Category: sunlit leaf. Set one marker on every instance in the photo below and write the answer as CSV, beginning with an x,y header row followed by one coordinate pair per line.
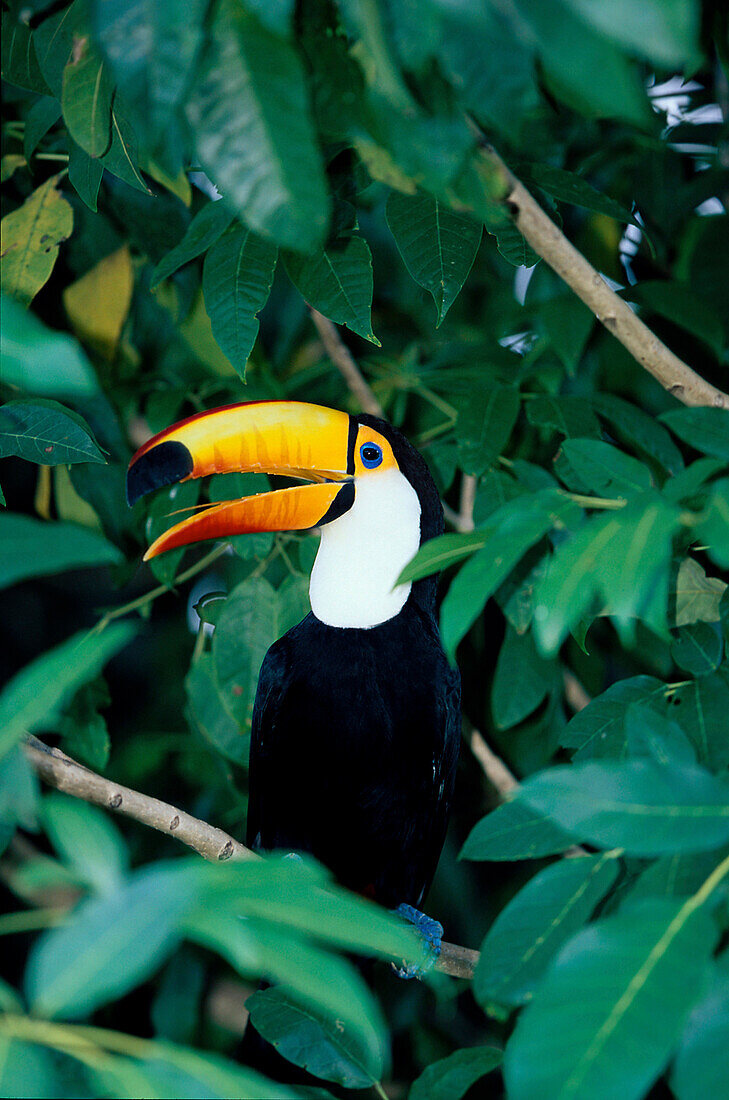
x,y
97,304
30,239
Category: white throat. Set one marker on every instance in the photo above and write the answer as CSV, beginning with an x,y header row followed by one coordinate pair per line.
x,y
363,553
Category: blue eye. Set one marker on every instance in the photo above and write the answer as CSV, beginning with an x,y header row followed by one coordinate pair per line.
x,y
371,455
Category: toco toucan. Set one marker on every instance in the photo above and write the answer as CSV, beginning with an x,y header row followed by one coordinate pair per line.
x,y
356,723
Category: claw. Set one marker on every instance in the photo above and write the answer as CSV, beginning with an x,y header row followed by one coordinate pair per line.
x,y
430,930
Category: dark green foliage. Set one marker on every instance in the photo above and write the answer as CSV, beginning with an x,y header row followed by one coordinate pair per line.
x,y
185,148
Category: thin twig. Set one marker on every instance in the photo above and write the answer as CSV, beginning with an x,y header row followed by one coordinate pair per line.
x,y
67,775
574,693
549,242
343,360
468,499
495,770
60,771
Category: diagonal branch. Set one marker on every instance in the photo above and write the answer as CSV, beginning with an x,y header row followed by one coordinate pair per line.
x,y
344,361
65,774
549,242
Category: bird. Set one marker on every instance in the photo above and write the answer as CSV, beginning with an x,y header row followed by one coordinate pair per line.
x,y
356,722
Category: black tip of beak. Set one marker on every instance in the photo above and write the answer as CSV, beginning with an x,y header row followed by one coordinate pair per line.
x,y
162,465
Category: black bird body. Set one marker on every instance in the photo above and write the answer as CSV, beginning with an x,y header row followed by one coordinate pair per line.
x,y
353,752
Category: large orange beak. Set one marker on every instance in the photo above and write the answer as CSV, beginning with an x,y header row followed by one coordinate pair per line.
x,y
273,437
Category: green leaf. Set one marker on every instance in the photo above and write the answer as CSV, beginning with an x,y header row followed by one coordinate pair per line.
x,y
19,794
204,230
664,31
654,736
714,526
113,943
621,558
27,1069
32,547
569,187
54,41
698,648
43,115
338,282
675,876
30,239
87,840
636,428
569,415
440,552
597,732
591,466
521,681
85,174
682,306
485,424
121,159
437,245
450,1078
703,428
250,118
207,710
83,728
514,831
700,707
511,531
532,928
572,53
19,60
568,324
35,695
86,98
46,433
689,482
607,1016
177,1003
314,1041
254,610
646,808
699,1070
237,279
697,596
513,246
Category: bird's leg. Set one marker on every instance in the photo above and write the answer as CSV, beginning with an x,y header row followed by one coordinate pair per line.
x,y
432,933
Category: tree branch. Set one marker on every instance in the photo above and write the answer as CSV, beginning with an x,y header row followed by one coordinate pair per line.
x,y
550,243
65,774
343,360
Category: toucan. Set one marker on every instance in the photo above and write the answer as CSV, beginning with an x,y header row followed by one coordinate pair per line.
x,y
356,722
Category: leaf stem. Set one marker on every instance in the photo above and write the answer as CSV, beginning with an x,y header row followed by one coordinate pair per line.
x,y
149,597
613,503
28,920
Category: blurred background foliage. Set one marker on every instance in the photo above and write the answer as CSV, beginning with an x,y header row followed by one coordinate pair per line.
x,y
180,183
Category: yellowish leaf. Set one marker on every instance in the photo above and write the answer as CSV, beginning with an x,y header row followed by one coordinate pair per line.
x,y
97,304
69,505
30,239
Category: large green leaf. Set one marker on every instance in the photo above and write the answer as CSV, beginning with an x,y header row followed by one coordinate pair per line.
x,y
450,1078
314,1041
703,428
700,706
714,526
111,943
46,433
36,694
30,239
41,117
574,189
208,713
204,230
569,415
437,245
635,427
122,159
591,466
521,681
664,31
510,532
514,831
32,547
19,60
86,98
597,730
237,279
337,281
610,1010
37,359
620,559
438,553
683,307
27,1069
699,1070
250,118
531,929
85,174
485,423
88,840
646,808
54,41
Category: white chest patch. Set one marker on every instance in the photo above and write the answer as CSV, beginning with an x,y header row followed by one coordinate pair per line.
x,y
363,553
